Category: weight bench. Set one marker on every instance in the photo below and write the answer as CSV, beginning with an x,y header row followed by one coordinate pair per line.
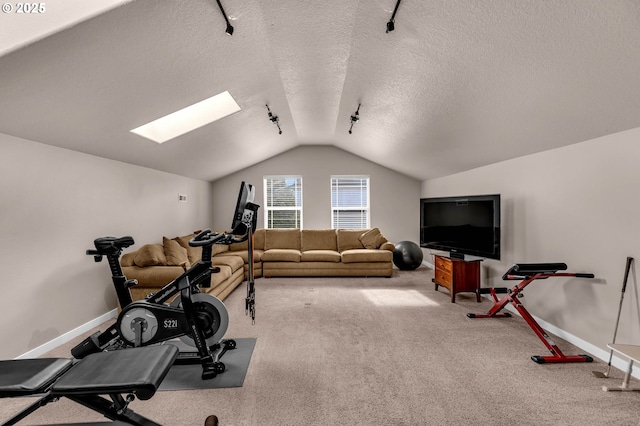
x,y
122,375
529,272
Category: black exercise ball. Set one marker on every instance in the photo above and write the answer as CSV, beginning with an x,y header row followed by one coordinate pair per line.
x,y
407,255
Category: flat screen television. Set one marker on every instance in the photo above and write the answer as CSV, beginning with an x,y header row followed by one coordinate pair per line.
x,y
242,215
466,225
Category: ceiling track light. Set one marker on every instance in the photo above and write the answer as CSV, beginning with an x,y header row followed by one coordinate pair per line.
x,y
391,24
275,120
229,30
355,118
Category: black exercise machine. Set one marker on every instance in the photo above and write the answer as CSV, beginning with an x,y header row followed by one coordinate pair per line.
x,y
198,319
529,272
105,382
192,315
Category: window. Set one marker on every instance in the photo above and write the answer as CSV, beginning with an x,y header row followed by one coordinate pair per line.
x,y
283,201
350,202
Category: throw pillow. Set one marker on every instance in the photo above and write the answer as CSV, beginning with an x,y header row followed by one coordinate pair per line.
x,y
128,259
193,253
149,255
370,239
175,253
381,240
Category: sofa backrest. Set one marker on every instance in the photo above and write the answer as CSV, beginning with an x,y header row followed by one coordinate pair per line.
x,y
282,239
349,239
318,239
258,242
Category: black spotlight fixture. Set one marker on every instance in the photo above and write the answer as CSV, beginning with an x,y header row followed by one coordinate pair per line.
x,y
354,118
391,24
275,120
229,29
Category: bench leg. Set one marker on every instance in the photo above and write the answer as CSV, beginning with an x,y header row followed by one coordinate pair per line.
x,y
30,409
625,382
113,410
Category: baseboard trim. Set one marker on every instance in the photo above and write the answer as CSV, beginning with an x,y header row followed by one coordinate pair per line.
x,y
619,363
60,340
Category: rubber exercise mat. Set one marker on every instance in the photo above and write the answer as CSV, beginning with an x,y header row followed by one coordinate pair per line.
x,y
236,361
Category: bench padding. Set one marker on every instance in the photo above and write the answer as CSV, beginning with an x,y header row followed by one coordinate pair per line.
x,y
20,377
137,370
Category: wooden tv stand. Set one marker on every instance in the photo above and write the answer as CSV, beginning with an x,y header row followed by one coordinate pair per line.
x,y
457,275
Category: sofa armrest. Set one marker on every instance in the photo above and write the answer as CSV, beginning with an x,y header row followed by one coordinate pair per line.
x,y
388,246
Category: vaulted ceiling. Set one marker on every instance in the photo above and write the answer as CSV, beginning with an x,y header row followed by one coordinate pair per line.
x,y
458,84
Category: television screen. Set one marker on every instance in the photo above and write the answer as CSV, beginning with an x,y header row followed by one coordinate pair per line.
x,y
462,225
242,216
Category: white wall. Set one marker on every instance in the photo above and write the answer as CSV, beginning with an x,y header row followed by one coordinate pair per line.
x,y
54,203
579,205
395,198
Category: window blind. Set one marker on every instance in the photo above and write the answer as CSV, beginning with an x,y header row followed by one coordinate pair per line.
x,y
350,202
283,201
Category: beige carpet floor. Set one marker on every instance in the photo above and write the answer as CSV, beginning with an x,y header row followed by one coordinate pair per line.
x,y
383,351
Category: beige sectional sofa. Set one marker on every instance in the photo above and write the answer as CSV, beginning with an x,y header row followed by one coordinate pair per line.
x,y
326,252
277,253
155,265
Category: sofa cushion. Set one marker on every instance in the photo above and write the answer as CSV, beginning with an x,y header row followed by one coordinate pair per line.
x,y
320,256
218,277
281,255
244,255
150,255
193,253
366,255
175,253
234,262
258,239
349,239
318,239
218,248
282,239
258,242
157,276
372,239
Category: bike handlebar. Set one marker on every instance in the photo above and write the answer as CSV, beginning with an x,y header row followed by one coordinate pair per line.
x,y
206,238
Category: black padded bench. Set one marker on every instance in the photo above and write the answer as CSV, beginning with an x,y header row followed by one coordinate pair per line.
x,y
135,372
528,273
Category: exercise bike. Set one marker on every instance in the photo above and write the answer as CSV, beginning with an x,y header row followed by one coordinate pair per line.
x,y
198,320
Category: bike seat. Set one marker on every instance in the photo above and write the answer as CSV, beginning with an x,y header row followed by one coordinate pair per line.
x,y
105,245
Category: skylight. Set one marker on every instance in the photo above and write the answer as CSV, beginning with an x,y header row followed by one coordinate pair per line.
x,y
189,118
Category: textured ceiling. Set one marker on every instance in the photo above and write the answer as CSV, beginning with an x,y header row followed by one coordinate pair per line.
x,y
457,85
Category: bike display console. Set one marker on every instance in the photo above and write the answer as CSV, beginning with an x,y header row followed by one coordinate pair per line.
x,y
457,276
